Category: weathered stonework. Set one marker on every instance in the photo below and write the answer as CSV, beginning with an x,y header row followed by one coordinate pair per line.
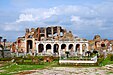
x,y
49,40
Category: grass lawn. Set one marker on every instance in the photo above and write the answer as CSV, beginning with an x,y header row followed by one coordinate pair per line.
x,y
13,68
106,61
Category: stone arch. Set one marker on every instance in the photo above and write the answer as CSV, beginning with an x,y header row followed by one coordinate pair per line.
x,y
40,48
55,48
48,46
1,47
29,46
70,47
77,47
103,45
63,46
48,49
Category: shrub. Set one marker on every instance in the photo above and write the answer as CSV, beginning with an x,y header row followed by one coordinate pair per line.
x,y
55,58
99,61
110,56
5,59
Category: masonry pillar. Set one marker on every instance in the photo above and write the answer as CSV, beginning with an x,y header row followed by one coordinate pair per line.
x,y
33,45
76,52
74,47
45,33
25,44
59,50
58,31
52,48
67,47
80,48
44,48
52,31
87,49
37,47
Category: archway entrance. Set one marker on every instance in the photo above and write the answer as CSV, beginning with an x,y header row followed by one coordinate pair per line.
x,y
70,47
1,47
29,46
48,47
77,48
102,45
40,48
63,46
55,49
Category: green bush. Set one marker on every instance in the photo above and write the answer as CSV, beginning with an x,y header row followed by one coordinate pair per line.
x,y
111,58
99,61
5,59
41,58
55,58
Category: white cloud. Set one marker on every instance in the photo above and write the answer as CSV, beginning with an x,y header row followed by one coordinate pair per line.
x,y
40,13
79,17
75,18
11,27
25,17
93,18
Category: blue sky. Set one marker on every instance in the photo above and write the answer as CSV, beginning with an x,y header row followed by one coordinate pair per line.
x,y
85,18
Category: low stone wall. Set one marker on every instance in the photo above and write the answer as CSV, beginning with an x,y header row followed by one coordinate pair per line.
x,y
6,53
75,61
93,60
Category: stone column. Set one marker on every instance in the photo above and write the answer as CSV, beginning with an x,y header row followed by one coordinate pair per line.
x,y
25,44
33,46
58,31
44,47
74,47
59,50
52,48
45,33
87,47
37,47
67,47
52,31
80,48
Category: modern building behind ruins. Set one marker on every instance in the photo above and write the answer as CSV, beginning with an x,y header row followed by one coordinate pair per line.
x,y
49,40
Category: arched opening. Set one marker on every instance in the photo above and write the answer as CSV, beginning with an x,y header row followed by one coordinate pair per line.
x,y
63,46
1,47
40,48
29,46
77,47
56,46
48,47
70,47
102,45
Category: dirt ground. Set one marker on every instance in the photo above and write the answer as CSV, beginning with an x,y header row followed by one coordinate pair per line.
x,y
70,71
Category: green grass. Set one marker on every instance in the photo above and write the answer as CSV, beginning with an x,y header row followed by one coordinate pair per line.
x,y
106,61
14,68
27,60
110,72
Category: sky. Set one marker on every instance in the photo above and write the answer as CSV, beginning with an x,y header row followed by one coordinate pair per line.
x,y
85,18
